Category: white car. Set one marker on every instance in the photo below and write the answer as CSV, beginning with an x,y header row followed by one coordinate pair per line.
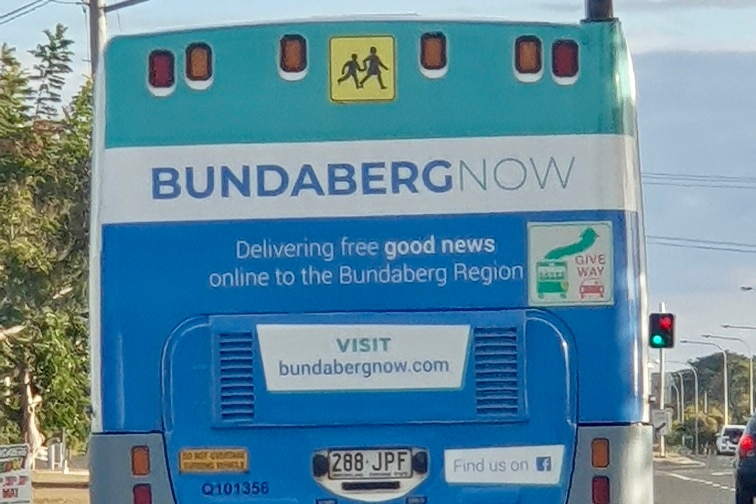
x,y
727,440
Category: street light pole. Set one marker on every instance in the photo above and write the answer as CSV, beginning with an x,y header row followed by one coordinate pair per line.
x,y
695,409
677,391
692,368
750,364
726,398
682,396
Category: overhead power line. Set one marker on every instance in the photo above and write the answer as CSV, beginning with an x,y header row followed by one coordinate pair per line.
x,y
697,240
700,244
703,186
23,11
703,181
20,9
703,247
696,176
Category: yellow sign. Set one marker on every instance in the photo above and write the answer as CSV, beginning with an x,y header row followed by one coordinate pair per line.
x,y
214,460
363,69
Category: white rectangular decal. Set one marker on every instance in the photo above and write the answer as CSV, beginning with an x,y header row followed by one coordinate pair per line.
x,y
363,357
570,263
367,178
520,465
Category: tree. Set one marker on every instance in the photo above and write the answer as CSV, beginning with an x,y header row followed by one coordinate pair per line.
x,y
44,201
710,371
708,427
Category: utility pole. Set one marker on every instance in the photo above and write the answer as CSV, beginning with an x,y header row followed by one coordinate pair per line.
x,y
599,10
98,26
662,387
97,32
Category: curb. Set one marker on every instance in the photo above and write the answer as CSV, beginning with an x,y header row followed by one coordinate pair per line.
x,y
49,479
679,461
75,485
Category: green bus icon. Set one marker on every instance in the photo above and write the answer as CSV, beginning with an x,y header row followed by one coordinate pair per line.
x,y
551,279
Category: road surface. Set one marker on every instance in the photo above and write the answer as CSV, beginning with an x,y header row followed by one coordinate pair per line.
x,y
708,482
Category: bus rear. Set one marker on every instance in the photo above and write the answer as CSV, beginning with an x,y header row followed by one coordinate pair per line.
x,y
368,260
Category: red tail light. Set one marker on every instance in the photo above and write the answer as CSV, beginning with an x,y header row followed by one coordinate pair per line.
x,y
162,69
600,490
746,446
565,58
142,494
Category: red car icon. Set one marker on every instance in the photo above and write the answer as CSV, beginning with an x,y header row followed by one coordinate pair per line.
x,y
591,287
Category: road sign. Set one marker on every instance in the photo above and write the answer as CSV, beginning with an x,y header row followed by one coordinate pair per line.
x,y
570,263
661,419
658,418
362,69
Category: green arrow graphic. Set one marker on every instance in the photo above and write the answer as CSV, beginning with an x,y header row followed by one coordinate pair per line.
x,y
587,239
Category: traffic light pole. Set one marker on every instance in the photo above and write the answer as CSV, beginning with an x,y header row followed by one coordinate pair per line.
x,y
662,388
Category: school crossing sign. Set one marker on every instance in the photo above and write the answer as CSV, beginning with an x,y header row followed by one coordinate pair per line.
x,y
362,69
570,263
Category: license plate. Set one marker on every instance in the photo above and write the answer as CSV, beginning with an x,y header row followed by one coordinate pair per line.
x,y
369,464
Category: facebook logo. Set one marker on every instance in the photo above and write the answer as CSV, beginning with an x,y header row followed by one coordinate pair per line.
x,y
543,464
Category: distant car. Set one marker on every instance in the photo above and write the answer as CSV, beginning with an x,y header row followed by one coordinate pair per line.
x,y
745,465
727,441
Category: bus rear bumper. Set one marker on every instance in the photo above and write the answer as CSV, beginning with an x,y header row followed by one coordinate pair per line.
x,y
630,471
630,468
112,480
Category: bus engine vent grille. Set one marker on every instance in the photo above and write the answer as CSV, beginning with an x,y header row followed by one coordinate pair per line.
x,y
497,373
237,388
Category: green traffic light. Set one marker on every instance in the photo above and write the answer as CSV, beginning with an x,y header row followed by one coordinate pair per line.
x,y
662,329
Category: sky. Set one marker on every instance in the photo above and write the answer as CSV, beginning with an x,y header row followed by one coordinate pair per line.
x,y
695,64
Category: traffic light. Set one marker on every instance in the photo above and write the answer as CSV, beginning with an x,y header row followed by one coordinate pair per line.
x,y
662,330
